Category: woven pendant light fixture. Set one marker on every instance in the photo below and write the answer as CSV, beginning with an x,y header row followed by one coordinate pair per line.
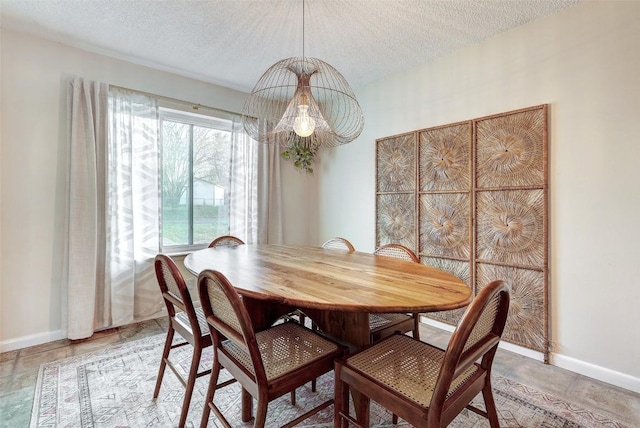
x,y
302,102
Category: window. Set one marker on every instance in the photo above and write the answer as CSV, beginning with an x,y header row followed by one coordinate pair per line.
x,y
195,152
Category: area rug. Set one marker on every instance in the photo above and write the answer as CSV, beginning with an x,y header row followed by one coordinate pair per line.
x,y
114,388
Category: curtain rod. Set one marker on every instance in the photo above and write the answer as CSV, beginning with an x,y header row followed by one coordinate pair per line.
x,y
175,100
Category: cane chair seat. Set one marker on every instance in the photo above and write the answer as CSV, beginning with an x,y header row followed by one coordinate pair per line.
x,y
284,355
408,367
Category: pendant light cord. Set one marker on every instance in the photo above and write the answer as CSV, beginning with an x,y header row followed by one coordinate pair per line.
x,y
303,30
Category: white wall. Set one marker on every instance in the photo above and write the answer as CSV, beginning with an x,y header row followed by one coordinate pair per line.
x,y
585,63
33,173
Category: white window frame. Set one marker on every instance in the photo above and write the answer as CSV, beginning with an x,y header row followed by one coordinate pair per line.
x,y
208,119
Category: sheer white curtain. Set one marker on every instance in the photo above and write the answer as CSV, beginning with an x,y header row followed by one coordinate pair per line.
x,y
243,219
133,206
114,204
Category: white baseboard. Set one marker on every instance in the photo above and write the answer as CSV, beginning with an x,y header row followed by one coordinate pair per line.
x,y
603,374
31,340
596,372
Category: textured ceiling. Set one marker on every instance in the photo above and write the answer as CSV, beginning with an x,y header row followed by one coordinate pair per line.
x,y
232,42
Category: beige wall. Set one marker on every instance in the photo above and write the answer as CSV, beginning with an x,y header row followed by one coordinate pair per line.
x,y
585,63
33,173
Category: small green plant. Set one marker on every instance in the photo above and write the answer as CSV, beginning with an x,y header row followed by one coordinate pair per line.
x,y
301,151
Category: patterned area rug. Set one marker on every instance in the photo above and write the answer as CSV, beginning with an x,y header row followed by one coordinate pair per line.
x,y
114,388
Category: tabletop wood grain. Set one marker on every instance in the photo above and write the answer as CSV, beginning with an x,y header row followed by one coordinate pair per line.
x,y
324,279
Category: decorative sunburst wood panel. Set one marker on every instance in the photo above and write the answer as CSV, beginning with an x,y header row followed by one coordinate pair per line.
x,y
482,207
511,234
510,227
527,320
444,225
445,158
396,164
396,221
510,149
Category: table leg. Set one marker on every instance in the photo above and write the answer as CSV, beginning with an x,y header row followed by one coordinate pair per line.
x,y
247,406
351,329
264,314
348,328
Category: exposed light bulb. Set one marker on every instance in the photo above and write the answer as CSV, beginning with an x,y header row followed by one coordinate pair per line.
x,y
304,125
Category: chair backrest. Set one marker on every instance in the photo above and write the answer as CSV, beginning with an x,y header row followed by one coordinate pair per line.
x,y
398,251
228,318
226,241
174,290
338,243
476,336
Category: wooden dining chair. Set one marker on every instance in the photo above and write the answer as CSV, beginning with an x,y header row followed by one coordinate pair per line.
x,y
424,385
295,316
188,321
398,251
338,243
268,363
226,241
385,325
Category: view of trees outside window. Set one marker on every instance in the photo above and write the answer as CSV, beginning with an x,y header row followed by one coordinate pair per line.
x,y
196,161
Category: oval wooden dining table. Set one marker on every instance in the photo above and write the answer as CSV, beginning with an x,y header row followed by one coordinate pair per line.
x,y
336,289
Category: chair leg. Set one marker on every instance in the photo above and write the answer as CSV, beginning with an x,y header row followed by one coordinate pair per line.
x,y
314,327
487,394
191,381
338,404
213,382
261,412
341,400
247,405
364,412
163,362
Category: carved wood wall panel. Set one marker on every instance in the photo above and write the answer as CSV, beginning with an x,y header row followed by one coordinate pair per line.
x,y
471,198
396,159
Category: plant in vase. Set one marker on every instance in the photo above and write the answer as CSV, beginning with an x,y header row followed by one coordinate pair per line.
x,y
301,151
